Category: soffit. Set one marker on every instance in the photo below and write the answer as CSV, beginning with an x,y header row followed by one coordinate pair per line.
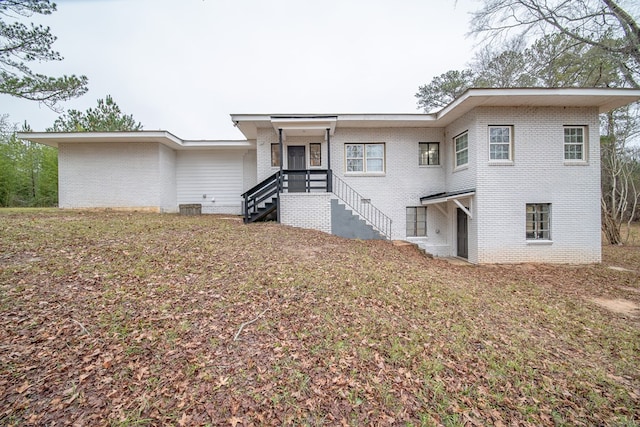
x,y
53,139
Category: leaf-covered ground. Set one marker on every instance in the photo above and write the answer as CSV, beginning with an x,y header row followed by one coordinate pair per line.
x,y
129,319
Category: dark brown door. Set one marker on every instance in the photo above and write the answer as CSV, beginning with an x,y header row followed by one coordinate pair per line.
x,y
296,162
463,242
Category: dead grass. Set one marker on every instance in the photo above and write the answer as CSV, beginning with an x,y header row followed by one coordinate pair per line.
x,y
122,319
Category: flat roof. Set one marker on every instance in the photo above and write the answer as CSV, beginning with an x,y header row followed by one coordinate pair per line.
x,y
605,99
53,139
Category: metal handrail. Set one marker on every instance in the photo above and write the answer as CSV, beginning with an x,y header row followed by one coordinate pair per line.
x,y
362,206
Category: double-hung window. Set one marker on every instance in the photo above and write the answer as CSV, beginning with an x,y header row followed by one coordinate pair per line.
x,y
429,154
365,158
461,143
574,143
500,143
539,221
416,221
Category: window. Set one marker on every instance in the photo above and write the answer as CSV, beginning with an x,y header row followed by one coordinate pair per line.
x,y
417,221
429,153
574,143
462,149
275,155
538,221
365,157
314,154
500,140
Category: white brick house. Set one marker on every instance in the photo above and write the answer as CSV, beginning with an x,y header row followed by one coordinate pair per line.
x,y
499,175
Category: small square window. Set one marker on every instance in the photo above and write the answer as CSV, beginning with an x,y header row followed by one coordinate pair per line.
x,y
275,155
314,154
574,143
429,154
462,149
539,221
500,143
416,221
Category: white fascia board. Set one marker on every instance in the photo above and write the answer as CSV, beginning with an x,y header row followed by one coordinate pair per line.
x,y
387,120
304,125
218,144
53,139
605,99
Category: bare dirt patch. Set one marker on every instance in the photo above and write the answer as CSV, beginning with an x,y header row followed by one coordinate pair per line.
x,y
620,306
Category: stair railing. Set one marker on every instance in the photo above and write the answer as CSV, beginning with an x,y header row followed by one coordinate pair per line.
x,y
362,206
257,195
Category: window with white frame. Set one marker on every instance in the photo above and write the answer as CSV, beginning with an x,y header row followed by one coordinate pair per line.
x,y
574,143
416,221
461,143
500,143
429,154
275,155
314,154
538,221
366,158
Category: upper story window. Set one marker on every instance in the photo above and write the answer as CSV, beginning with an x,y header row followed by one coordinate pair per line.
x,y
275,155
500,143
461,143
574,143
366,158
429,154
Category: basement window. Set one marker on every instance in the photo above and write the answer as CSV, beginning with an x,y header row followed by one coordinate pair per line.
x,y
539,221
416,221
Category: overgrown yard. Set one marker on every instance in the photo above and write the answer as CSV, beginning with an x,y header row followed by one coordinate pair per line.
x,y
129,319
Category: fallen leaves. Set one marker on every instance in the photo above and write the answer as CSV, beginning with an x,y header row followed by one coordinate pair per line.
x,y
130,319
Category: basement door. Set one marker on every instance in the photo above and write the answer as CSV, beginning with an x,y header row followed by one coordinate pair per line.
x,y
463,241
296,161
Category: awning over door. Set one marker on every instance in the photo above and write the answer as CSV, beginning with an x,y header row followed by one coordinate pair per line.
x,y
454,196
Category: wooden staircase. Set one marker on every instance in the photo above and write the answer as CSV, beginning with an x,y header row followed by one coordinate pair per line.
x,y
261,201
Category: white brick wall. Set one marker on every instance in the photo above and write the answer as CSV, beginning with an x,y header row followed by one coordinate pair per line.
x,y
109,175
402,185
306,210
538,175
496,233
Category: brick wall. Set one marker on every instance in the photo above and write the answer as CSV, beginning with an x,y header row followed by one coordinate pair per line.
x,y
538,174
496,231
306,210
109,175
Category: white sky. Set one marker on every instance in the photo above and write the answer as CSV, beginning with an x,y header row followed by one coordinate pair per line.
x,y
184,66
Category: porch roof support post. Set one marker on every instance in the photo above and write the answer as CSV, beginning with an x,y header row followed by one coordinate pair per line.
x,y
329,172
280,177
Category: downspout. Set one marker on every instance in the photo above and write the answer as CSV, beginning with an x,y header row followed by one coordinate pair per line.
x,y
280,177
329,172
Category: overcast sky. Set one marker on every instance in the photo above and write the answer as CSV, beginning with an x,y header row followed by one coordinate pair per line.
x,y
184,66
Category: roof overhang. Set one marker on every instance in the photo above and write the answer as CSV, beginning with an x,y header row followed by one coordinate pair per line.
x,y
604,99
446,197
317,124
304,126
54,139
